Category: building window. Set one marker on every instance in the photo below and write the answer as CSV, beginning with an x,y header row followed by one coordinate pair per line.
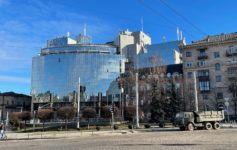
x,y
204,86
231,49
188,54
217,66
216,54
219,95
189,75
201,63
203,73
189,64
218,78
232,70
202,52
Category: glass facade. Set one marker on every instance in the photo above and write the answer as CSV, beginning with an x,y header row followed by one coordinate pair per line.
x,y
57,70
157,54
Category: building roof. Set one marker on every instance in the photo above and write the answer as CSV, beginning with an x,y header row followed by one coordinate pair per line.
x,y
13,94
217,38
211,40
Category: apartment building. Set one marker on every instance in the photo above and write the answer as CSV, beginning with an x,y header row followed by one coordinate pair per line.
x,y
214,61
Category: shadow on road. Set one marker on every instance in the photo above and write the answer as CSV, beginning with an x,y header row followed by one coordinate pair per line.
x,y
160,130
142,144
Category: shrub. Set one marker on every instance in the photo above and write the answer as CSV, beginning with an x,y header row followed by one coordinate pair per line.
x,y
116,127
147,126
66,113
44,115
14,119
161,124
106,113
130,113
24,116
97,128
88,113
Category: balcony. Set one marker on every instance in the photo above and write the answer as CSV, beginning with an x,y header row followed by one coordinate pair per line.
x,y
205,91
203,78
202,56
231,53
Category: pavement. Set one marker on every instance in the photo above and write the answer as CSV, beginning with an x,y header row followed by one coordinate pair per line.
x,y
87,133
64,134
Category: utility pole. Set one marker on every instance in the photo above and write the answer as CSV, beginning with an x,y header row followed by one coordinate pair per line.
x,y
78,104
137,97
195,91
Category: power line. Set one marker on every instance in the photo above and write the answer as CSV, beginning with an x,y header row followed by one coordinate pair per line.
x,y
165,18
183,17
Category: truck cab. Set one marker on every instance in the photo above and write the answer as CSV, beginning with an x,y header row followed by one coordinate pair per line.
x,y
183,118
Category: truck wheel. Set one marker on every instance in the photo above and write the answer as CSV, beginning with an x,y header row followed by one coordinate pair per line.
x,y
216,125
208,126
190,127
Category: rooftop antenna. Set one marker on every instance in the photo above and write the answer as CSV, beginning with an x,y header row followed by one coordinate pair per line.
x,y
84,29
181,35
142,23
163,39
68,34
178,33
184,41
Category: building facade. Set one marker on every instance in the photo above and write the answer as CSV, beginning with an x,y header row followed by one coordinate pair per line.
x,y
214,61
13,102
58,67
159,54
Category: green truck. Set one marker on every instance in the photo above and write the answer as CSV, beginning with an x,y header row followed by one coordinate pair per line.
x,y
203,119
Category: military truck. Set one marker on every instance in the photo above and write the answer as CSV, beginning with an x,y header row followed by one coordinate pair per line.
x,y
203,119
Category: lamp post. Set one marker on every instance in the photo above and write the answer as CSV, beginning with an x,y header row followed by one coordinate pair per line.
x,y
227,108
195,91
137,97
78,104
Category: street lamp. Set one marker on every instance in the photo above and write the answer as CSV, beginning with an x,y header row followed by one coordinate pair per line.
x,y
78,104
227,108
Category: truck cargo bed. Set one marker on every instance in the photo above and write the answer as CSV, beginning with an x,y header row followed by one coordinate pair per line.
x,y
209,116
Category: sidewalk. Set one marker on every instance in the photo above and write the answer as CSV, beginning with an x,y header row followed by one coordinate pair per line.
x,y
63,134
228,125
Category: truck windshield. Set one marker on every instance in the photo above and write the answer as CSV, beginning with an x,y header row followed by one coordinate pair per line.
x,y
179,115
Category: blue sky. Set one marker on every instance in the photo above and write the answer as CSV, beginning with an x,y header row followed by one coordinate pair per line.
x,y
26,25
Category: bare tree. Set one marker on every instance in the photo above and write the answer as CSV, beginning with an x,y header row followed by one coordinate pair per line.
x,y
25,116
88,113
233,90
66,113
130,113
44,115
106,113
14,119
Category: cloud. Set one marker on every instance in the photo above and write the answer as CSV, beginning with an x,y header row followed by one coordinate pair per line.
x,y
26,26
23,33
14,79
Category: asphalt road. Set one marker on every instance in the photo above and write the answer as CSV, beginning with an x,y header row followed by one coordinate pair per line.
x,y
157,140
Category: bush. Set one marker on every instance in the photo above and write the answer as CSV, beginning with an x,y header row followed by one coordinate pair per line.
x,y
14,119
129,126
116,127
161,124
97,128
147,126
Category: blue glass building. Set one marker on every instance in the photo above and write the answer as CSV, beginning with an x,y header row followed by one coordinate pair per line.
x,y
166,53
57,69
